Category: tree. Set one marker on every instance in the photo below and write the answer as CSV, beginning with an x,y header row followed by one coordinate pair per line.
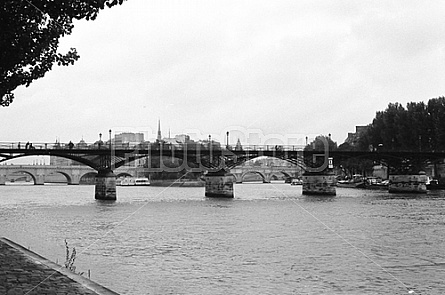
x,y
29,38
319,144
418,127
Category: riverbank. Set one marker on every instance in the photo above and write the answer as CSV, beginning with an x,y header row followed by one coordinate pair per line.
x,y
25,272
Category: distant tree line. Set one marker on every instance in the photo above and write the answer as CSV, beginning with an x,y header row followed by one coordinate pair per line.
x,y
418,127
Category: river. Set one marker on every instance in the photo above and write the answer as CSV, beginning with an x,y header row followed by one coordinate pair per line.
x,y
269,239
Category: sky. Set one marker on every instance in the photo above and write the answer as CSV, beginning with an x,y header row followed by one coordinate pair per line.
x,y
266,71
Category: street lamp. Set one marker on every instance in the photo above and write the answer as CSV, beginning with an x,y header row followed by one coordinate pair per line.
x,y
227,133
109,161
100,139
210,149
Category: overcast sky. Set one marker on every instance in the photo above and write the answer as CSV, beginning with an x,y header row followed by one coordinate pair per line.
x,y
278,68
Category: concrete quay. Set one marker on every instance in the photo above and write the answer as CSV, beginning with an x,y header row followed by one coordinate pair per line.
x,y
23,272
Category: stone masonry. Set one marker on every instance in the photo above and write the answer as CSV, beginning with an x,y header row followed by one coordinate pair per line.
x,y
25,272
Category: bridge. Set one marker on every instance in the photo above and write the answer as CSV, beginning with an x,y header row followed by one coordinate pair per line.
x,y
267,173
74,173
215,159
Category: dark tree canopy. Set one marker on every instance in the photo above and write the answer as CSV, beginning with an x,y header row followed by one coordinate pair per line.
x,y
418,127
29,37
319,144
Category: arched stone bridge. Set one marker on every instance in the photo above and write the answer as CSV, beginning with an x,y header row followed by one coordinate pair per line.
x,y
72,173
266,172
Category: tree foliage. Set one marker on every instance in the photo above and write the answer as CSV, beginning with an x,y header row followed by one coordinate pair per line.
x,y
418,127
319,144
29,37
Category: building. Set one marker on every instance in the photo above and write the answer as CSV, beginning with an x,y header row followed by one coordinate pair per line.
x,y
353,138
238,146
128,138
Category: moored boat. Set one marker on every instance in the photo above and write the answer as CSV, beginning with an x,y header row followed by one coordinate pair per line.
x,y
131,181
127,181
142,181
357,181
296,181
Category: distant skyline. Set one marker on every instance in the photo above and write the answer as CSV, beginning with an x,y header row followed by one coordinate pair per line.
x,y
278,69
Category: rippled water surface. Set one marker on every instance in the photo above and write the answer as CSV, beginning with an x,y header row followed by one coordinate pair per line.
x,y
268,240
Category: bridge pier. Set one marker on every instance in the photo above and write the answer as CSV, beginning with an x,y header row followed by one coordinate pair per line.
x,y
75,177
105,185
218,185
412,183
319,183
39,177
2,176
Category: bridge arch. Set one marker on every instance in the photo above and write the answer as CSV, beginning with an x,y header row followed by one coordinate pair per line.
x,y
263,176
236,178
88,178
35,178
123,174
68,177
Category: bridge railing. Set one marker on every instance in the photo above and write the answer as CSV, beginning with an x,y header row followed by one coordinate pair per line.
x,y
148,145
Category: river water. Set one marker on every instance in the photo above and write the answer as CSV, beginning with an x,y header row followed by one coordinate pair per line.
x,y
269,239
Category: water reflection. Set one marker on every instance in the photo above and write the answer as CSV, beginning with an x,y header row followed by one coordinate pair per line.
x,y
105,206
314,198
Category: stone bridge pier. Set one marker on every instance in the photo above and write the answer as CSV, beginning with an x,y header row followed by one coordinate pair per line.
x,y
39,177
2,176
105,185
320,181
219,184
75,176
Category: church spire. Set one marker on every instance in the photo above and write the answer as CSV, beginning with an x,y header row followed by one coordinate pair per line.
x,y
159,138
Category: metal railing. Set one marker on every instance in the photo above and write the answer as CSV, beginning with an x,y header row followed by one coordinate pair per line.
x,y
145,146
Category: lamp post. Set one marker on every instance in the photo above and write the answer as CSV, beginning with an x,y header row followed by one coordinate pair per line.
x,y
227,133
100,139
109,161
210,149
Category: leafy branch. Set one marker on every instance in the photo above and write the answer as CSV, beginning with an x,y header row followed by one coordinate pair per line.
x,y
70,258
